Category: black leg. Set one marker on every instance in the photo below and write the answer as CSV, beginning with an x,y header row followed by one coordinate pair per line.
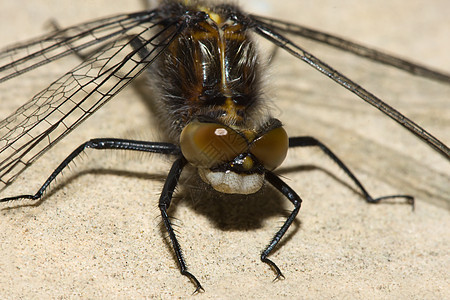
x,y
307,141
107,143
164,203
297,201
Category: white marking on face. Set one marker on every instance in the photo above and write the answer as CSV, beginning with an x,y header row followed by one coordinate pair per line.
x,y
230,182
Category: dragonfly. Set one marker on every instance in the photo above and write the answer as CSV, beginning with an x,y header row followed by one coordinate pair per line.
x,y
127,45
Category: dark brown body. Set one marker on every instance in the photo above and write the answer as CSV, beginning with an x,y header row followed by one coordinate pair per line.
x,y
212,70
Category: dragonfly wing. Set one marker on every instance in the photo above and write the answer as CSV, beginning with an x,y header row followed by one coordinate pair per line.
x,y
58,109
23,57
270,33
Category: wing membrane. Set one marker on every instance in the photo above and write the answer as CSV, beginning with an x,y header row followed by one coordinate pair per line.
x,y
355,48
269,32
58,109
26,56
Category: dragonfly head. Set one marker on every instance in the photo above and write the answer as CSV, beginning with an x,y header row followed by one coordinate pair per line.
x,y
231,159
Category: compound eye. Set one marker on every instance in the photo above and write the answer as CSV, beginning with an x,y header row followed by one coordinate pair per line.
x,y
271,148
209,144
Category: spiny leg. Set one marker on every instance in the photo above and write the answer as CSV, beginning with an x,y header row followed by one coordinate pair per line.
x,y
106,143
164,203
296,200
307,141
166,196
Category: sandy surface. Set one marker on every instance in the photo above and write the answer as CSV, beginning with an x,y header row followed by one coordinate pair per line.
x,y
97,234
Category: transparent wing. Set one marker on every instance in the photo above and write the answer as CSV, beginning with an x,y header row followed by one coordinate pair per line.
x,y
269,31
355,48
23,57
58,109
